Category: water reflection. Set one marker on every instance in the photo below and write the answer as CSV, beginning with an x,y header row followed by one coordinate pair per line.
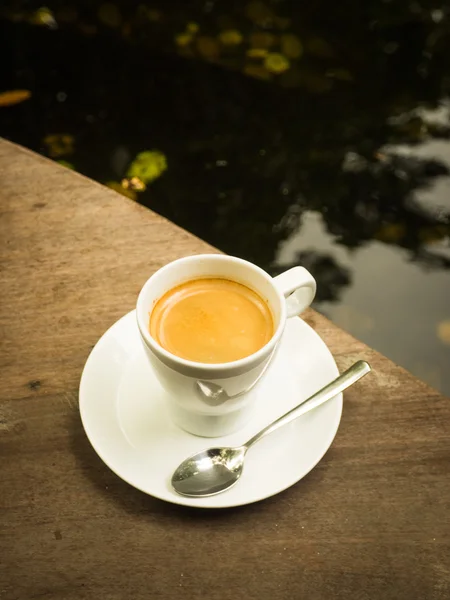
x,y
389,302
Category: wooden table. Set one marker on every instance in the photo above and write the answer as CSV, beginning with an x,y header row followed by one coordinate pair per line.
x,y
372,521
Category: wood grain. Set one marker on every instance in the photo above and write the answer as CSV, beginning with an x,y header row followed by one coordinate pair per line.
x,y
371,522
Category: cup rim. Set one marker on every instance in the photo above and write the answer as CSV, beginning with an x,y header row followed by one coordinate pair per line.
x,y
169,357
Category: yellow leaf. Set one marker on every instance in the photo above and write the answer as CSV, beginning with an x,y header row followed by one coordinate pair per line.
x,y
134,183
192,28
208,47
109,15
147,166
14,97
443,331
276,63
230,37
59,144
257,53
44,16
291,45
115,185
183,39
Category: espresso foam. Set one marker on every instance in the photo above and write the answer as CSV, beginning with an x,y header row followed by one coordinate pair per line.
x,y
211,321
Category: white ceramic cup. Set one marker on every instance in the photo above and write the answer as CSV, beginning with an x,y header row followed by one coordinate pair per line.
x,y
287,295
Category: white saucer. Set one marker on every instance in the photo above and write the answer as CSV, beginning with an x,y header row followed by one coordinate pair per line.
x,y
124,415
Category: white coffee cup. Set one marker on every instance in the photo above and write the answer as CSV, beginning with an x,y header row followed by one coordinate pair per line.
x,y
287,295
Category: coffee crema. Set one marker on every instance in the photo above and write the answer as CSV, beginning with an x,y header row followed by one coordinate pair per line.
x,y
211,320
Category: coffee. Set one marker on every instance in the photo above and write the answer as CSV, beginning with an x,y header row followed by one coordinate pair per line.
x,y
211,321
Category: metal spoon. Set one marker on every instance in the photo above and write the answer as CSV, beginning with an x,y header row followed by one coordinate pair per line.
x,y
212,471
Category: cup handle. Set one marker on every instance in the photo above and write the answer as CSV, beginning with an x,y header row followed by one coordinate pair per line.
x,y
298,286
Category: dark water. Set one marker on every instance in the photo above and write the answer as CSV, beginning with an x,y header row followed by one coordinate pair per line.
x,y
339,162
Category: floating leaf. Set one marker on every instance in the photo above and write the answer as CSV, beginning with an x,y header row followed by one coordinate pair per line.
x,y
192,28
257,52
109,15
59,144
262,39
44,17
231,37
276,63
148,166
65,163
14,97
443,331
115,185
291,45
134,183
208,47
183,39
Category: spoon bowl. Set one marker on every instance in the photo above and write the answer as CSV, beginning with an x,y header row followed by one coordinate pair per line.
x,y
215,470
209,472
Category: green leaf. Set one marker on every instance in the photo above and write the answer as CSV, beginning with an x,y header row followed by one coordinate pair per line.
x,y
148,166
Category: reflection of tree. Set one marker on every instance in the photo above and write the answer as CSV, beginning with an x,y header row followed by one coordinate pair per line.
x,y
373,202
246,157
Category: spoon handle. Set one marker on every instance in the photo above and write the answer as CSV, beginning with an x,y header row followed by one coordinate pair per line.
x,y
341,383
